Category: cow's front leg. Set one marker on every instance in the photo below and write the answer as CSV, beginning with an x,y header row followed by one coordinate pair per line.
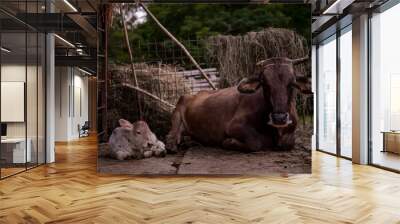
x,y
244,138
286,141
253,140
234,144
249,141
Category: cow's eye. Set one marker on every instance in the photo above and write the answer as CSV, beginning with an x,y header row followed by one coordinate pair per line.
x,y
138,132
294,85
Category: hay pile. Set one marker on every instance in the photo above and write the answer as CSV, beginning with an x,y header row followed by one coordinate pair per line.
x,y
236,56
163,81
160,80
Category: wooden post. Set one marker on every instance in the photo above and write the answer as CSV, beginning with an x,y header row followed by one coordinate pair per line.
x,y
139,106
176,83
159,79
179,44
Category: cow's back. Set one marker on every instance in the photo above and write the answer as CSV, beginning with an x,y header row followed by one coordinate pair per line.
x,y
208,113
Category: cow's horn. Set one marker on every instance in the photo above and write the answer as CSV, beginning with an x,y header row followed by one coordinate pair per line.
x,y
261,63
299,60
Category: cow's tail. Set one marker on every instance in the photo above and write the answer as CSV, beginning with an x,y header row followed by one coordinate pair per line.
x,y
181,108
175,134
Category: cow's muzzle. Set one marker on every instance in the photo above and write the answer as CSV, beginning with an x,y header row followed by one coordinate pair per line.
x,y
279,120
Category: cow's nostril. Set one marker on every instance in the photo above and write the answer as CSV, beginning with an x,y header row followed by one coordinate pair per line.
x,y
279,118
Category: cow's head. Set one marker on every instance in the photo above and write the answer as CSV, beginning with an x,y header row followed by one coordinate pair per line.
x,y
279,82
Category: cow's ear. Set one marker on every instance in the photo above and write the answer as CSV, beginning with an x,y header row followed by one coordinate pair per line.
x,y
125,124
303,83
249,85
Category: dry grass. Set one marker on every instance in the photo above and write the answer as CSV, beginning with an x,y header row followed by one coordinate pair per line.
x,y
237,55
160,80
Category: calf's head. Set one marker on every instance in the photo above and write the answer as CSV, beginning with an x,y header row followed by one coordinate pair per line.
x,y
139,133
279,82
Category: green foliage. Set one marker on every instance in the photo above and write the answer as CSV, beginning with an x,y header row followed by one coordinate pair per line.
x,y
199,21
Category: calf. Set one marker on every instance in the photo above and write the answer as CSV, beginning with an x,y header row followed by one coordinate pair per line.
x,y
134,141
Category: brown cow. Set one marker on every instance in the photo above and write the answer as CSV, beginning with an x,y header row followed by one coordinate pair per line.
x,y
245,117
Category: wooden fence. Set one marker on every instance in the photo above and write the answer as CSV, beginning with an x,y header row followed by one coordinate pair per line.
x,y
197,82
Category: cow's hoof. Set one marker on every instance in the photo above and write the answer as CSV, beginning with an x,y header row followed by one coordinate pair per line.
x,y
171,148
285,147
162,153
159,152
172,151
139,156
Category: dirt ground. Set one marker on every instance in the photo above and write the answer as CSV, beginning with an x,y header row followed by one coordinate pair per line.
x,y
201,160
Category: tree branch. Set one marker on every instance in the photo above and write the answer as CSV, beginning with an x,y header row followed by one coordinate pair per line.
x,y
179,44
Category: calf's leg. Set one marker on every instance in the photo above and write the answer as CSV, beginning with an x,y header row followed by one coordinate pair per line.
x,y
122,155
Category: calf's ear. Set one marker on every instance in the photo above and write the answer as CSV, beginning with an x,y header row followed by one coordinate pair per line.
x,y
303,83
249,85
125,124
